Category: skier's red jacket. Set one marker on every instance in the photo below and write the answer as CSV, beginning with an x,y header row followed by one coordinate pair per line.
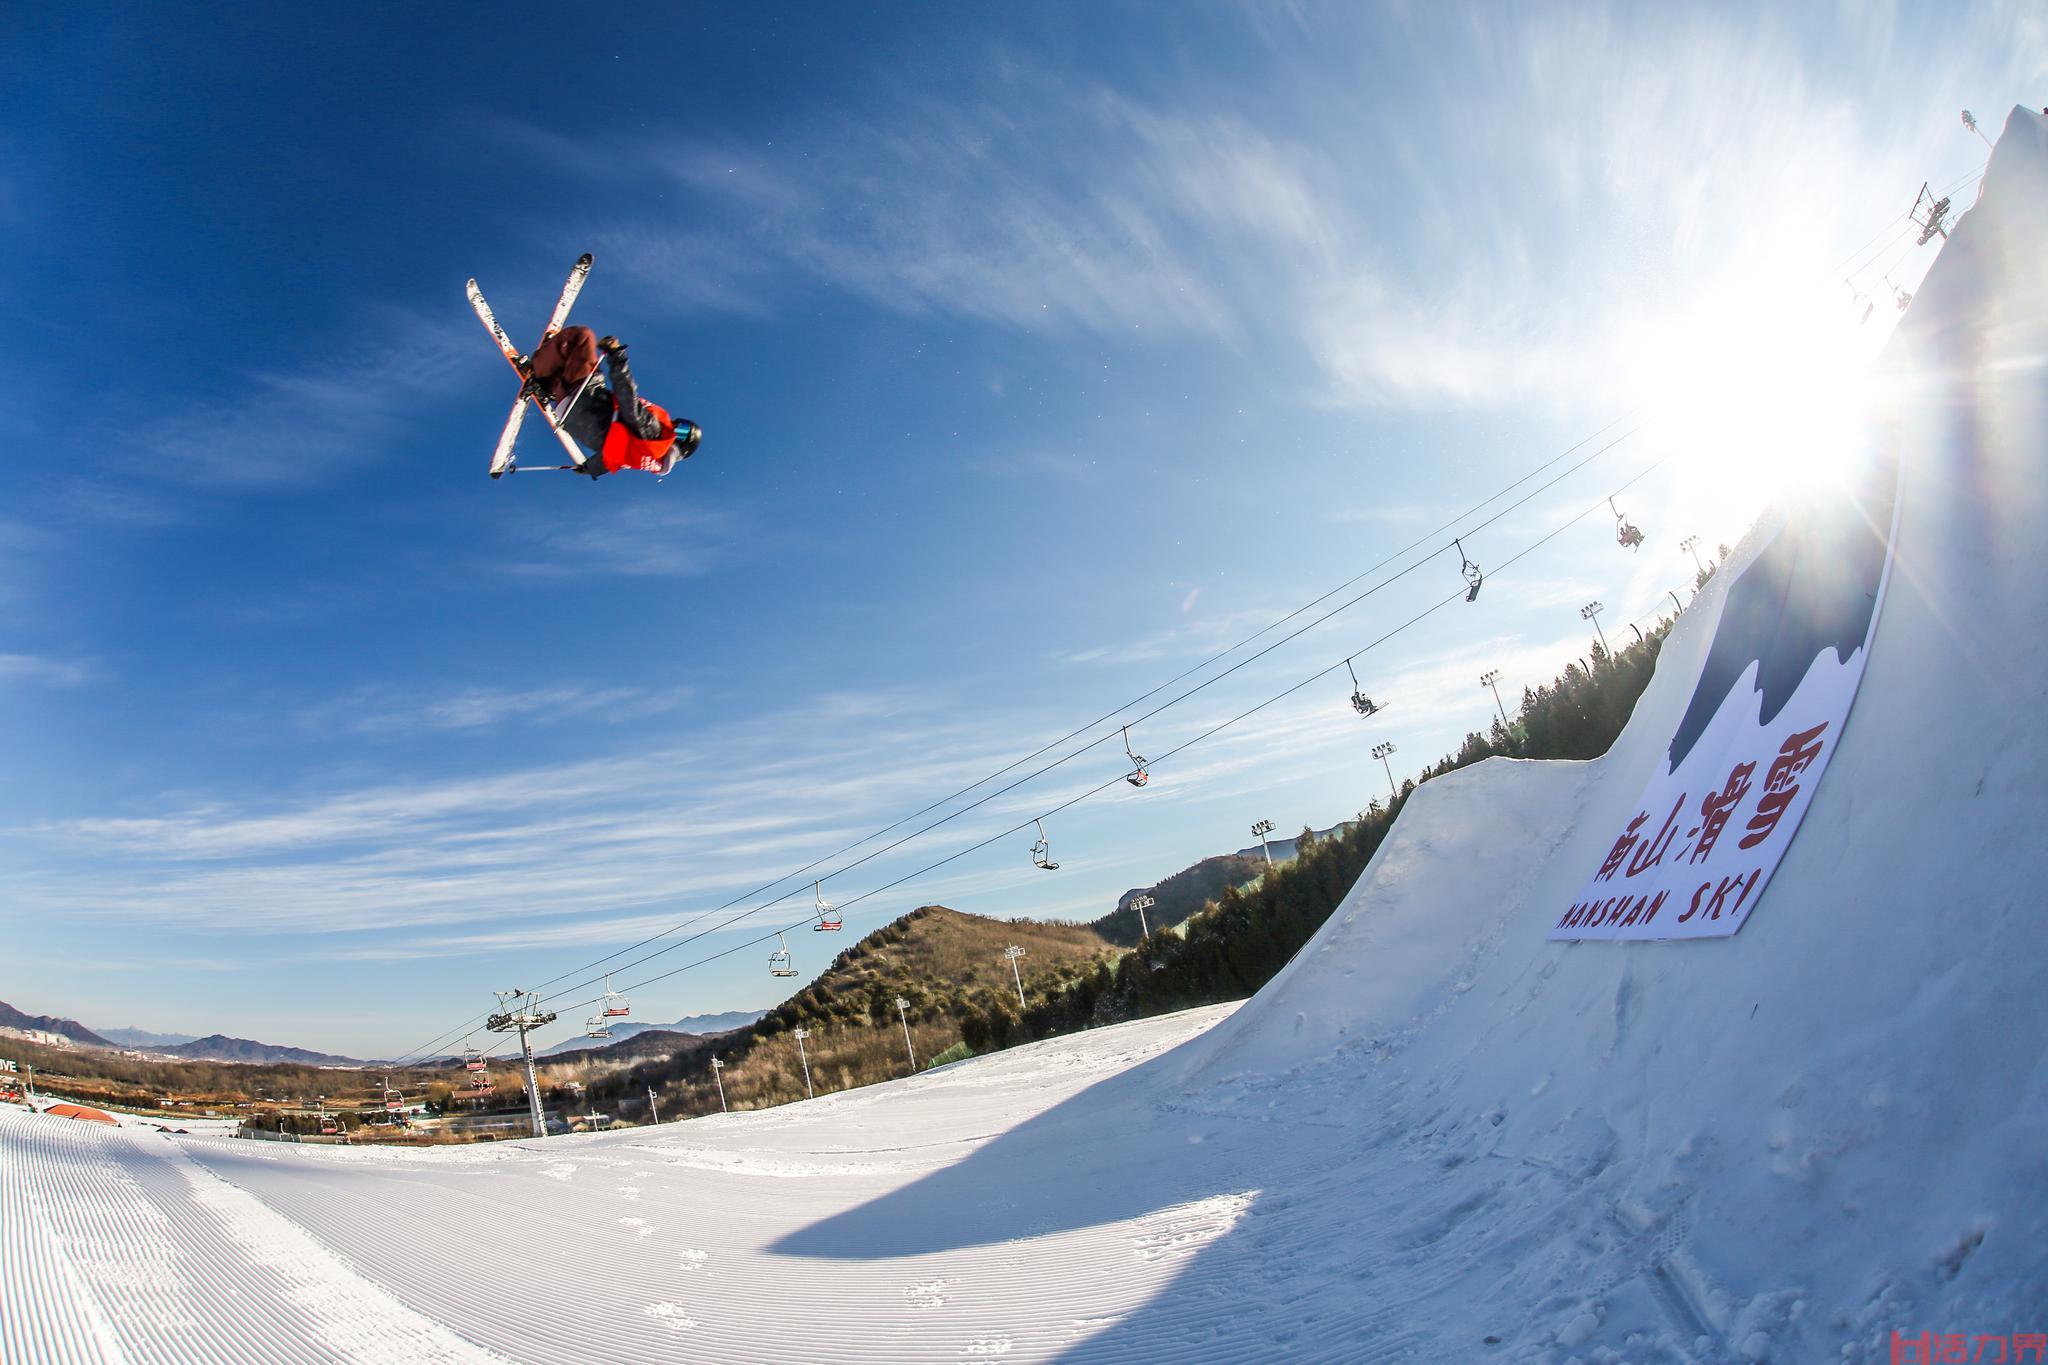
x,y
624,450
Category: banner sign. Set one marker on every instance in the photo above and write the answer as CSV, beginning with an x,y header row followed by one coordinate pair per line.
x,y
1766,713
6,1065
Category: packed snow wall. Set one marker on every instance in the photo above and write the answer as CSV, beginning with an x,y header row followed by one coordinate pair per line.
x,y
1830,1125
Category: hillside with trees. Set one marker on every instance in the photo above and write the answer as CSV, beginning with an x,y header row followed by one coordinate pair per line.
x,y
949,968
1178,897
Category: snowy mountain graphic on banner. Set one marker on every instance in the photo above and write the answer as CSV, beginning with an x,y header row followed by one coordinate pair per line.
x,y
1814,587
1772,697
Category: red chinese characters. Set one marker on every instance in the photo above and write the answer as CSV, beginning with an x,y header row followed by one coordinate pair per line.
x,y
1795,756
1718,806
1621,847
1651,852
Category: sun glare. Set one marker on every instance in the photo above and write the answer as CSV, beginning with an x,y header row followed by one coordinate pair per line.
x,y
1758,392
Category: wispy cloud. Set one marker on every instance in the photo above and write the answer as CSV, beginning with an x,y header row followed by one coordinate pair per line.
x,y
291,426
34,668
577,850
392,711
636,539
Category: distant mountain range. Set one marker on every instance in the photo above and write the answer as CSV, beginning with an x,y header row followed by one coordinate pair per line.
x,y
11,1017
221,1048
699,1024
142,1037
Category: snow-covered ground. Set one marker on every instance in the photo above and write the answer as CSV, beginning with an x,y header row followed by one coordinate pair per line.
x,y
1435,1136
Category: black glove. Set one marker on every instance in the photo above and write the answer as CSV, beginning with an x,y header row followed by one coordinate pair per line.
x,y
610,345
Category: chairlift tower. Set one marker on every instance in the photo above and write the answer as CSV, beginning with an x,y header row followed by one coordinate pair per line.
x,y
1934,223
1013,952
1141,903
804,1057
717,1070
1380,752
1262,829
1490,680
1591,612
903,1013
520,1012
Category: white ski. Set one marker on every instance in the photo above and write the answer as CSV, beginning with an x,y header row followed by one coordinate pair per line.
x,y
501,459
578,273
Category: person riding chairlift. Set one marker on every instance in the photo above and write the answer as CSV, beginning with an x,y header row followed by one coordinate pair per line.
x,y
608,417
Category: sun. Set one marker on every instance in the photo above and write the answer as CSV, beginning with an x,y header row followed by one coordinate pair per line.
x,y
1759,390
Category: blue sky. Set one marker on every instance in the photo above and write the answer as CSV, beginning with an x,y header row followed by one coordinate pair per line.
x,y
1042,351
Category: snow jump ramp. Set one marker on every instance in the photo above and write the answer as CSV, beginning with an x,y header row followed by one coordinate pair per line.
x,y
1437,1135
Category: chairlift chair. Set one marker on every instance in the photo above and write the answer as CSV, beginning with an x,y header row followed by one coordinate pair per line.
x,y
1625,533
1360,703
472,1060
1473,578
597,1026
1857,296
1137,776
778,961
616,1006
1041,852
828,918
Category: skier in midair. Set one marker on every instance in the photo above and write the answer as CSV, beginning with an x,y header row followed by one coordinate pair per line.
x,y
607,417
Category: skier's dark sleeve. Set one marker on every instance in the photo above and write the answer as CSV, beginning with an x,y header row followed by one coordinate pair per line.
x,y
588,421
632,411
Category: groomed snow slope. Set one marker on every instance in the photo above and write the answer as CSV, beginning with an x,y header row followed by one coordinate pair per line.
x,y
1435,1136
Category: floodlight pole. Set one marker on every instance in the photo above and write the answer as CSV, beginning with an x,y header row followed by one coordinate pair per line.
x,y
1380,752
1591,612
520,1012
1141,903
802,1056
1262,829
1013,952
903,1013
1491,679
1691,545
652,1107
716,1068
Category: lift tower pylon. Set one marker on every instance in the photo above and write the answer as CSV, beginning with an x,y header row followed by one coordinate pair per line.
x,y
520,1012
